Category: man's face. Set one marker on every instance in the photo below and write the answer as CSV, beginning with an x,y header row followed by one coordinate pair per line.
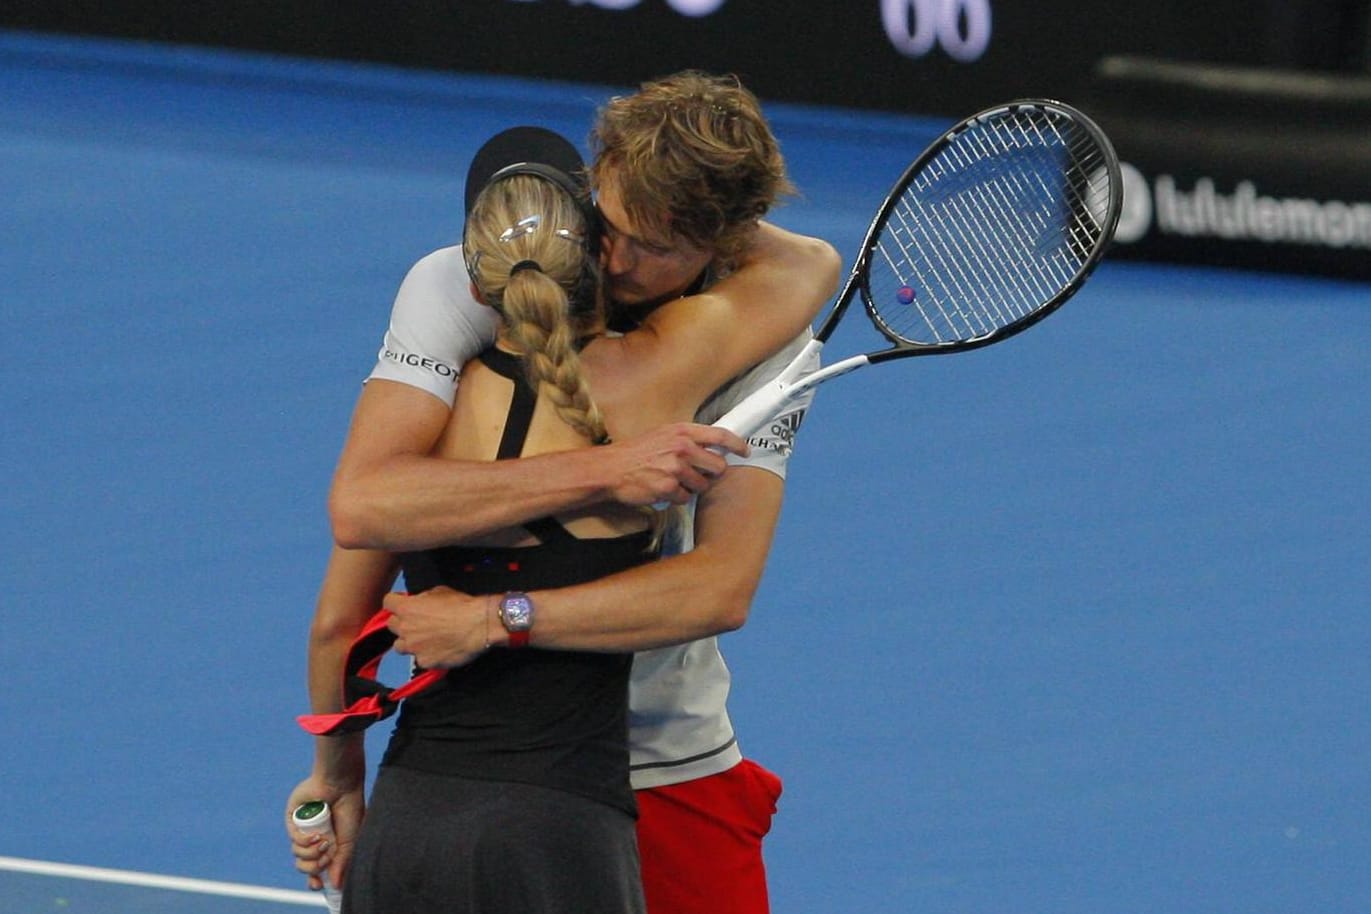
x,y
641,270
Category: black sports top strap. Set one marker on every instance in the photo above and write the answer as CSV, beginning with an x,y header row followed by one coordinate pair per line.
x,y
508,365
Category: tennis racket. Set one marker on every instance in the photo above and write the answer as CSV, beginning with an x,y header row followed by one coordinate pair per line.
x,y
991,229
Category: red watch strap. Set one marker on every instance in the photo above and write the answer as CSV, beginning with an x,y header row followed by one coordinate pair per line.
x,y
518,639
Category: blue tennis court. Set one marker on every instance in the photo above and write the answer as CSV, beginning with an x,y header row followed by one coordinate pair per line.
x,y
1073,625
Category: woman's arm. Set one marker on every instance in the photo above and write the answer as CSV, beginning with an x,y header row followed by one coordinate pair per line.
x,y
353,587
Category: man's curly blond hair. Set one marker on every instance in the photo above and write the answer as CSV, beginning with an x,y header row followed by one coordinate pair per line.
x,y
693,159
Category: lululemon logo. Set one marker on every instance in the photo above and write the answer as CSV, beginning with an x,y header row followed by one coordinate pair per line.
x,y
1136,217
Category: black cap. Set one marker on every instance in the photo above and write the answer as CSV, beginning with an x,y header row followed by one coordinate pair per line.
x,y
527,150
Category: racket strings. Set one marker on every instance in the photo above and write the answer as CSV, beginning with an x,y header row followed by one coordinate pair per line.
x,y
1084,157
990,230
965,256
949,241
906,253
946,242
1014,203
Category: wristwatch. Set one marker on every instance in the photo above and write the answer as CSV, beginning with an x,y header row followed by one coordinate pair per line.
x,y
516,615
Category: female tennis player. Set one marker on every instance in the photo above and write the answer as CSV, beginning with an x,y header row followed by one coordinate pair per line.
x,y
507,787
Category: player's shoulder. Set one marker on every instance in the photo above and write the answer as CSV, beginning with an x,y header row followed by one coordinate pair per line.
x,y
437,288
771,243
440,265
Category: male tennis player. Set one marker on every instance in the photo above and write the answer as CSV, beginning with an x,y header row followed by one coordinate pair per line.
x,y
684,170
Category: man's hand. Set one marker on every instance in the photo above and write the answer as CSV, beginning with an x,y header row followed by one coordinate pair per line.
x,y
670,463
441,628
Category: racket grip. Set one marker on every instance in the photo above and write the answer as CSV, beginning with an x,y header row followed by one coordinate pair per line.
x,y
759,408
772,398
742,420
315,819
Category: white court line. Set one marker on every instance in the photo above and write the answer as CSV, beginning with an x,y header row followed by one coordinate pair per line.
x,y
154,881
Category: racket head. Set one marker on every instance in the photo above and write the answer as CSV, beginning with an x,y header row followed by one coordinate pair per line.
x,y
992,228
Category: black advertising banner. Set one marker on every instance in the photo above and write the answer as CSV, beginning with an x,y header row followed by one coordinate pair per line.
x,y
942,57
1241,167
1242,144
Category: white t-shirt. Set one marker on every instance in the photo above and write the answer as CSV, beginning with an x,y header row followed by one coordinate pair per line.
x,y
679,728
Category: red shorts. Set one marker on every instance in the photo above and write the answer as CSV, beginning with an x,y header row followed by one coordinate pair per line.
x,y
701,842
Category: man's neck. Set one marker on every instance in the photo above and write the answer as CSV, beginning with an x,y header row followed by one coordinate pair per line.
x,y
626,317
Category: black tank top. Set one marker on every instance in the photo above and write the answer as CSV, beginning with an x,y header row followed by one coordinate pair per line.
x,y
554,718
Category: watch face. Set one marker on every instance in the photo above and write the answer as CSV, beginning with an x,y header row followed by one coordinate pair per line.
x,y
516,612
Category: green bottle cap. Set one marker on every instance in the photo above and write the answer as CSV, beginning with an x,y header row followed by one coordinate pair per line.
x,y
312,810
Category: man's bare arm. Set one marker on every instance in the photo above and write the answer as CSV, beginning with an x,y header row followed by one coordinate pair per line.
x,y
390,493
682,598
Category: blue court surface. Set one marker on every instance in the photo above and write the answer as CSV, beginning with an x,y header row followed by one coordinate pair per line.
x,y
1074,625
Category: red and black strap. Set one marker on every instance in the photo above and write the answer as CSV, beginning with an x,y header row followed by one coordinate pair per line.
x,y
366,699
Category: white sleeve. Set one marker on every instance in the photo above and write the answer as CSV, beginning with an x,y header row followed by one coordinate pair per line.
x,y
773,444
436,326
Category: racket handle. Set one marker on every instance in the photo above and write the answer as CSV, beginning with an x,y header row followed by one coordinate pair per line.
x,y
772,398
315,819
759,408
742,420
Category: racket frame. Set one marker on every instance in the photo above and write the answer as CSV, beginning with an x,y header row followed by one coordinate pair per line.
x,y
857,281
766,402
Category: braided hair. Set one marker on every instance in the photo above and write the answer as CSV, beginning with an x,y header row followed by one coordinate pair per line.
x,y
525,245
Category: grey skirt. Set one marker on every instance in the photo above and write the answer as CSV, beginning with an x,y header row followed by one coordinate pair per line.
x,y
437,844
